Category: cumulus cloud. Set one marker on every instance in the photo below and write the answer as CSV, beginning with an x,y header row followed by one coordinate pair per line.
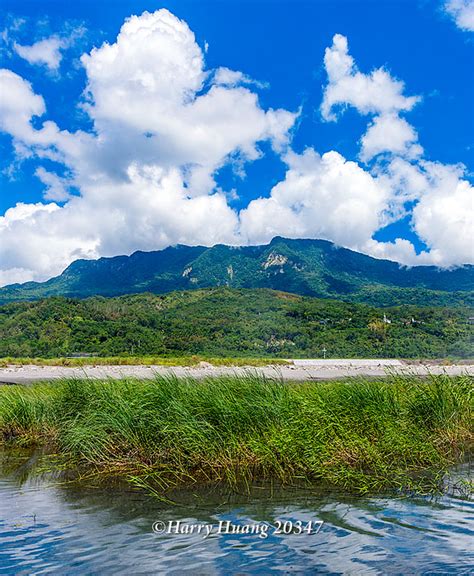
x,y
399,250
332,198
462,12
23,247
163,125
374,93
46,52
438,198
150,211
18,105
143,95
441,213
390,133
321,197
14,276
377,94
444,215
146,172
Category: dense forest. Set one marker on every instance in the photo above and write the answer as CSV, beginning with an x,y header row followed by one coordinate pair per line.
x,y
218,322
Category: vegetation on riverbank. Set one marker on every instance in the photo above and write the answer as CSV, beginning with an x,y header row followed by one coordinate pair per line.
x,y
357,435
228,323
141,361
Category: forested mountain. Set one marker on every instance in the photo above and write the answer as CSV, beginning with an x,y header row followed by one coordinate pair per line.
x,y
217,322
306,267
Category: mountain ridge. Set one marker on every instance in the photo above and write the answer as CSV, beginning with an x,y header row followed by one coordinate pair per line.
x,y
307,267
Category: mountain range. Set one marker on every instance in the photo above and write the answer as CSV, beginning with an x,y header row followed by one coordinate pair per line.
x,y
307,267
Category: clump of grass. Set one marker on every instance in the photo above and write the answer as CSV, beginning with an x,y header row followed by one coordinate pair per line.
x,y
141,361
358,435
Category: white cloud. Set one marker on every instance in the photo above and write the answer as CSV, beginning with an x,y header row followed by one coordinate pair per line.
x,y
331,198
400,250
112,221
320,197
441,210
14,276
46,52
440,199
28,241
147,84
163,125
374,93
444,215
390,133
150,211
57,188
225,77
18,104
146,174
462,12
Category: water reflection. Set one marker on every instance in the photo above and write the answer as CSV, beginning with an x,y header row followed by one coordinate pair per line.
x,y
51,528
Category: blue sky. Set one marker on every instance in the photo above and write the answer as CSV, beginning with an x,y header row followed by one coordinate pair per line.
x,y
246,173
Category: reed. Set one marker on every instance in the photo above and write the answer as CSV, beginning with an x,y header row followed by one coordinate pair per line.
x,y
357,435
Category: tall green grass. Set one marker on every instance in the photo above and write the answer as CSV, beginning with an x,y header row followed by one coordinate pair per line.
x,y
358,435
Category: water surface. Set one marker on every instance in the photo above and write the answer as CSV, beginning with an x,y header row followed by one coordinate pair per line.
x,y
49,527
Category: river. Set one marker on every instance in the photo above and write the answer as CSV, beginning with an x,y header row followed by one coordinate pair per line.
x,y
49,526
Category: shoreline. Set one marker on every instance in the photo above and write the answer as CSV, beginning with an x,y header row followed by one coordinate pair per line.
x,y
294,370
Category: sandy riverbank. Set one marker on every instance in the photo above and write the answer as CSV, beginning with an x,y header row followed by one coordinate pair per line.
x,y
298,370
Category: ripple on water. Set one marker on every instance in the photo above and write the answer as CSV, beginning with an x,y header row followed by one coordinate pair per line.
x,y
46,527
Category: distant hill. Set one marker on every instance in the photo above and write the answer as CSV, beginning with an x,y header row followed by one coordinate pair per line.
x,y
306,267
216,322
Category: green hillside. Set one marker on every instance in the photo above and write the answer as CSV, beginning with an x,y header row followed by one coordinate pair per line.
x,y
306,267
221,322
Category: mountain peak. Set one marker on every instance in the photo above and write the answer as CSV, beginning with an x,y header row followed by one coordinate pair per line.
x,y
302,266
